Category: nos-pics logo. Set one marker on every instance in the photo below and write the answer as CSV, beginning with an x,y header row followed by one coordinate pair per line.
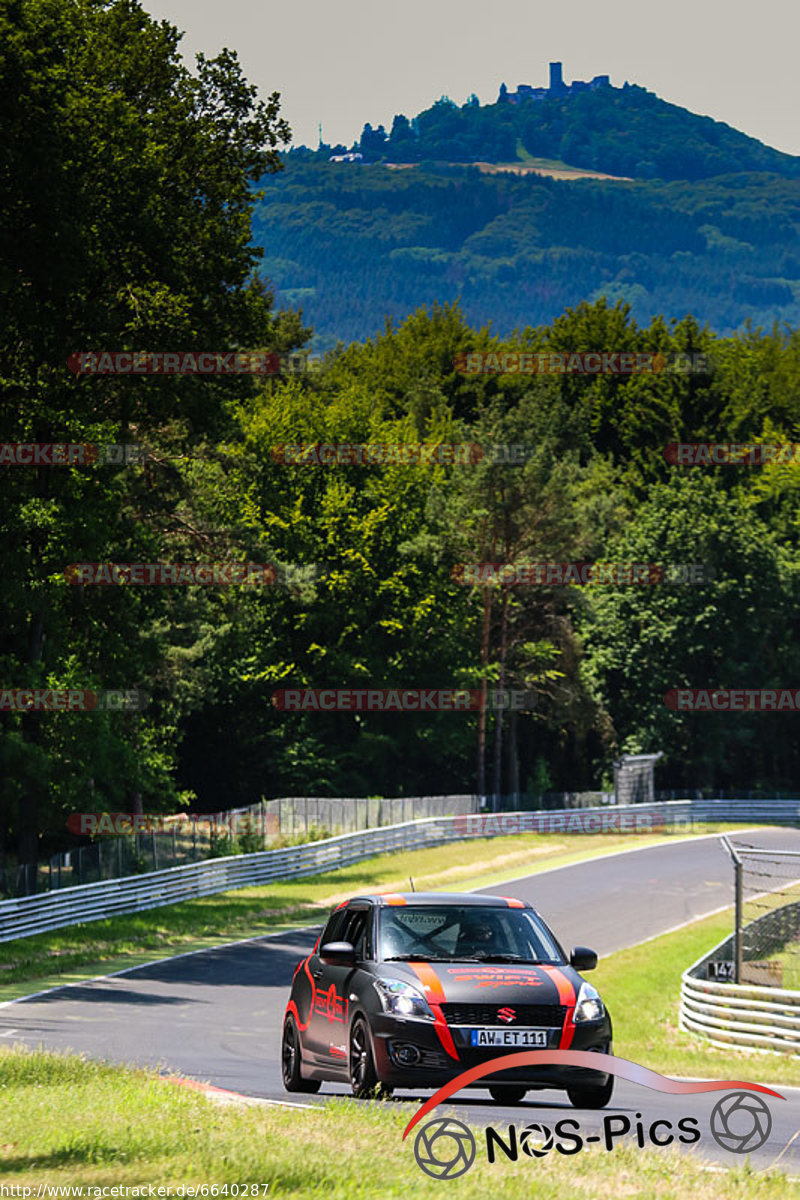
x,y
445,1148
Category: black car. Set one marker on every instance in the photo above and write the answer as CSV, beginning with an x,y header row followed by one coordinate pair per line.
x,y
408,991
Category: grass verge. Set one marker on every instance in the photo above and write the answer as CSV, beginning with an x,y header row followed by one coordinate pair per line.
x,y
80,951
67,1122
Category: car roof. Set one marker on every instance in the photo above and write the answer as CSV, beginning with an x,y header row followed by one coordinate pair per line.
x,y
462,899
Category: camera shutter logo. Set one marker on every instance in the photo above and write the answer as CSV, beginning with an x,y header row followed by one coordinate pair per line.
x,y
536,1140
444,1148
741,1122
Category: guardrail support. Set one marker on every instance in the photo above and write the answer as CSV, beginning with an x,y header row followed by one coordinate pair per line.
x,y
737,919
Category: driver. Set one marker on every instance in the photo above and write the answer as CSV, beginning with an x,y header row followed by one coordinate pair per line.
x,y
480,935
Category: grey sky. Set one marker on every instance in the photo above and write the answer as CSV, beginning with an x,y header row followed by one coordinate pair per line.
x,y
351,61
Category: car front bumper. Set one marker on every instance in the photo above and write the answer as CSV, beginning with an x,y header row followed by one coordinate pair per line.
x,y
435,1066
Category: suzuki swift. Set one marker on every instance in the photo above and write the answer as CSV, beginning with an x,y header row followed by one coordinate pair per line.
x,y
408,991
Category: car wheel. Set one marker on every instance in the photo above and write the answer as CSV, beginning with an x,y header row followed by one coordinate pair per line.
x,y
508,1093
364,1080
290,1061
592,1097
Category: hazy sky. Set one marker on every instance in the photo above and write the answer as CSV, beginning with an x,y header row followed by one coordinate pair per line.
x,y
345,62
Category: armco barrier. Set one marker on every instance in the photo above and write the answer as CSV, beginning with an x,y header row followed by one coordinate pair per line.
x,y
95,901
738,1014
774,812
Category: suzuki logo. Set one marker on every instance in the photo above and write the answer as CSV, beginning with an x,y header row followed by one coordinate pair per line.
x,y
506,1014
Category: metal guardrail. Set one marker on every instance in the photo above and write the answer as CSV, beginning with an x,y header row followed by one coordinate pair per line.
x,y
30,915
738,1014
780,812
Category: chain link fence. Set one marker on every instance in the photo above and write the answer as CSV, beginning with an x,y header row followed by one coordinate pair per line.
x,y
174,841
766,938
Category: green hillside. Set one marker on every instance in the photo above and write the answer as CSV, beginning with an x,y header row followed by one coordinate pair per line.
x,y
620,131
353,244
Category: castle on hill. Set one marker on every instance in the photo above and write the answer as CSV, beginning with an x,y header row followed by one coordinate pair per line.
x,y
557,87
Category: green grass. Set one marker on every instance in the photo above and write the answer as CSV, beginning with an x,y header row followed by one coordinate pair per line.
x,y
80,951
65,1121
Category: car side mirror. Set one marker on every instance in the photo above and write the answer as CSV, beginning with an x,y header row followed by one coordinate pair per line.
x,y
338,954
583,959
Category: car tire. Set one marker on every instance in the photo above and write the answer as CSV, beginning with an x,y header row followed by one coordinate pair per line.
x,y
592,1097
508,1093
293,1081
364,1081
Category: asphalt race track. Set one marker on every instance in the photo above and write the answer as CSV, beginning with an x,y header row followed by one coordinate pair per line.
x,y
216,1015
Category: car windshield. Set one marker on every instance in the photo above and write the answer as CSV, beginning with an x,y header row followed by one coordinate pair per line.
x,y
451,933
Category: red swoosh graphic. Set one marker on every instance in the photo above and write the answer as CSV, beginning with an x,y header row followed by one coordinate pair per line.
x,y
611,1065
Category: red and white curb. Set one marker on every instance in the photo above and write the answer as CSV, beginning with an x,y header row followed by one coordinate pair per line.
x,y
223,1096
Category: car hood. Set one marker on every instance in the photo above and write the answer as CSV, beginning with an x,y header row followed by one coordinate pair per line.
x,y
488,983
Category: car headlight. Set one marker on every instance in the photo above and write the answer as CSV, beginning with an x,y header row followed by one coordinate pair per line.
x,y
402,999
589,1007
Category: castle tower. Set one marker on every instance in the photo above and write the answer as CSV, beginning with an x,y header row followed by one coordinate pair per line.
x,y
556,81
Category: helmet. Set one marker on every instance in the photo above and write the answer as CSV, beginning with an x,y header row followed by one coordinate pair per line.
x,y
478,932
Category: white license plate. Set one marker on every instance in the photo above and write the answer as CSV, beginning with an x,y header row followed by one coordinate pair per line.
x,y
508,1037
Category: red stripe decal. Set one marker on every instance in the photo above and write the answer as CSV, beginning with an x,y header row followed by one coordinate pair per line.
x,y
567,997
434,994
292,1007
511,902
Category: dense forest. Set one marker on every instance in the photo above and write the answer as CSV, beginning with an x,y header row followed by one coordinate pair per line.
x,y
98,252
352,244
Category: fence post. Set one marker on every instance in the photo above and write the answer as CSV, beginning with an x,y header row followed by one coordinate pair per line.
x,y
737,933
174,848
155,850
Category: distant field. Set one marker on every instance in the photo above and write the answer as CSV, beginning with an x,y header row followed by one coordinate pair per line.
x,y
532,166
544,166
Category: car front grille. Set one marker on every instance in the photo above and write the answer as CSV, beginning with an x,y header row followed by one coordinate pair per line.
x,y
550,1016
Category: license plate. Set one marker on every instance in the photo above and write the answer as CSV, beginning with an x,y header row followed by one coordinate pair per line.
x,y
508,1037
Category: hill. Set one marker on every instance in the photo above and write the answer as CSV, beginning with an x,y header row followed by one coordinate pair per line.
x,y
352,244
625,131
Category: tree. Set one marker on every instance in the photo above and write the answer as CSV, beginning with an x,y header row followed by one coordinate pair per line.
x,y
125,215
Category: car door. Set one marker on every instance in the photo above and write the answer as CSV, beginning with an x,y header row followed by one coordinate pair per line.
x,y
332,988
316,1029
